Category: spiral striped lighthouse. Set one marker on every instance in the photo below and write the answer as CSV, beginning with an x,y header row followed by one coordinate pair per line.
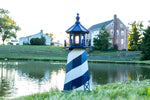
x,y
77,73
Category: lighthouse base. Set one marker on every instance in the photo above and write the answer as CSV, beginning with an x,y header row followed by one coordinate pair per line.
x,y
77,73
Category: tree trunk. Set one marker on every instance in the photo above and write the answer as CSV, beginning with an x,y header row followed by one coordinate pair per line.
x,y
3,41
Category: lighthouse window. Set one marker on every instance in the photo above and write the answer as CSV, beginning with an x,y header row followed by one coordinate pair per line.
x,y
82,37
76,39
71,37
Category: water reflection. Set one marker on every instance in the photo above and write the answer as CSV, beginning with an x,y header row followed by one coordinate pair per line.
x,y
111,73
7,78
18,78
24,78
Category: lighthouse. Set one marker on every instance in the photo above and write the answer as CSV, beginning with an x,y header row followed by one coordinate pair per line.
x,y
77,72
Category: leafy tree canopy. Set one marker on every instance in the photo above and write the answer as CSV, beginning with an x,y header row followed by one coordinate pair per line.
x,y
146,44
135,35
50,35
8,27
101,41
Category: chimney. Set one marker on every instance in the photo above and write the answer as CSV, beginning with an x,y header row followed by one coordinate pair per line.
x,y
41,31
115,23
115,28
115,16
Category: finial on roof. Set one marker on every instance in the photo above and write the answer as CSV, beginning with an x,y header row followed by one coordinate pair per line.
x,y
77,18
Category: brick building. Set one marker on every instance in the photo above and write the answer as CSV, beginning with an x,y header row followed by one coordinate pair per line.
x,y
118,32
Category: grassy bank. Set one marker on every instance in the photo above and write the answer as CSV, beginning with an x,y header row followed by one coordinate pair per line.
x,y
46,53
133,90
32,52
121,62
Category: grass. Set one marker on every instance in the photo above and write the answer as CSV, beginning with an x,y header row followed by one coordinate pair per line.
x,y
132,90
32,52
121,62
27,52
115,55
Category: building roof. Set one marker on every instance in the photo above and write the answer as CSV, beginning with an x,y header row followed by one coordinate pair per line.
x,y
41,32
98,26
77,27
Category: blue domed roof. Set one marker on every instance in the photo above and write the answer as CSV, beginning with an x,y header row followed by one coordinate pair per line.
x,y
77,27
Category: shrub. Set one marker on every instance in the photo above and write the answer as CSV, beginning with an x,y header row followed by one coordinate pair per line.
x,y
38,41
42,40
124,50
116,47
25,43
134,47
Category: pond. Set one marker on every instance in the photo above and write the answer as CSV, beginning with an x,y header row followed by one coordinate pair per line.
x,y
19,78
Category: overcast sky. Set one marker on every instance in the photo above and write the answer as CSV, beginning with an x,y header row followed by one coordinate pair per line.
x,y
56,16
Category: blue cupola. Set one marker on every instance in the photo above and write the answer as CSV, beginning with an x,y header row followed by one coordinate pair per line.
x,y
77,34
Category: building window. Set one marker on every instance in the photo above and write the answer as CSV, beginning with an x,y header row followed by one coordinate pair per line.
x,y
117,32
125,31
96,33
121,25
110,40
101,31
112,31
117,41
121,41
112,24
122,32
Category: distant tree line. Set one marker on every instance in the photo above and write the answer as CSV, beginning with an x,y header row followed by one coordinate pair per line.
x,y
8,27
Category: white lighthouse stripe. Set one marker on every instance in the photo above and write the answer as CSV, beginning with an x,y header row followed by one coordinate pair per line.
x,y
76,72
74,54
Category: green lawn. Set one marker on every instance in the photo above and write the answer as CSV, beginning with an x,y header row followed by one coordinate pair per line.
x,y
115,55
28,52
32,52
132,90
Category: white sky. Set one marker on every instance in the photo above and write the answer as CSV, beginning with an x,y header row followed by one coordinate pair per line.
x,y
56,16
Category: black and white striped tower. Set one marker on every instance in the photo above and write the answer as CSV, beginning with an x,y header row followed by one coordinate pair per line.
x,y
77,73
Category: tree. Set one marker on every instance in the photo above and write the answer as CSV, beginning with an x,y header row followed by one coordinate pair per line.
x,y
8,27
2,20
101,42
52,37
135,36
146,44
